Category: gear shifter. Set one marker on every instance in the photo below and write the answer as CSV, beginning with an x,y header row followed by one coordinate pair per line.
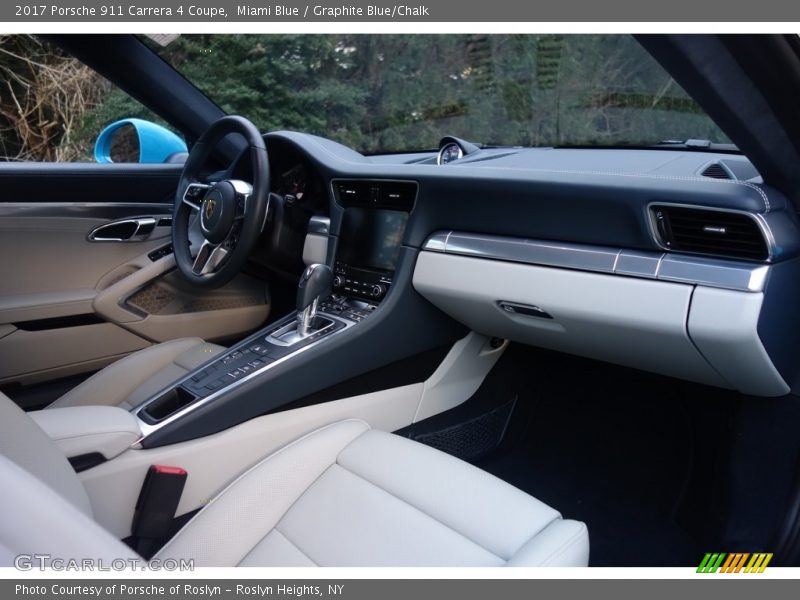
x,y
315,282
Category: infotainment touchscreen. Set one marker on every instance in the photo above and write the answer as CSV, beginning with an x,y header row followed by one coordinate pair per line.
x,y
371,238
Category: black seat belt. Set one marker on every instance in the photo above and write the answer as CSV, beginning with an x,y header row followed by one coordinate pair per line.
x,y
155,508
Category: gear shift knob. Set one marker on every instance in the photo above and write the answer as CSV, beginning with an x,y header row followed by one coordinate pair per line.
x,y
315,282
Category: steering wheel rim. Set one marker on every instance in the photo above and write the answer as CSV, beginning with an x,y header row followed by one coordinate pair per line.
x,y
232,213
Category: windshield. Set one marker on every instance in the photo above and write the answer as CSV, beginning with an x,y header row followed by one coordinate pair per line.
x,y
394,93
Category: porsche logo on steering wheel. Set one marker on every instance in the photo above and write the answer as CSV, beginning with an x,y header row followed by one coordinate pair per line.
x,y
211,204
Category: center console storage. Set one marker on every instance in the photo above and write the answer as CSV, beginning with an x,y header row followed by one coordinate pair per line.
x,y
255,354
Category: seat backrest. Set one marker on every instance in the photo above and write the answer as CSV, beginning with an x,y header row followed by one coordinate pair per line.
x,y
44,507
39,526
23,442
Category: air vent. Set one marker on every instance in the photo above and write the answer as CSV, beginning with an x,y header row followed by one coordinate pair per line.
x,y
392,195
714,232
716,171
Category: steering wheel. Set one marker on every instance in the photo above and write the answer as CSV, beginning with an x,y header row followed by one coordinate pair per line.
x,y
232,212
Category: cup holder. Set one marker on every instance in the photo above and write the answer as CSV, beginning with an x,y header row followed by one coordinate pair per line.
x,y
166,405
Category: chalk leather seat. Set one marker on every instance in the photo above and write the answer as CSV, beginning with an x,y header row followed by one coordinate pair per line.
x,y
131,380
343,495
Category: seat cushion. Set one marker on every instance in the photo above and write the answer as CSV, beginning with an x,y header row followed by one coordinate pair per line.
x,y
345,495
132,380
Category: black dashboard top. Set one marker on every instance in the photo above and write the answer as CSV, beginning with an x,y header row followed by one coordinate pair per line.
x,y
591,196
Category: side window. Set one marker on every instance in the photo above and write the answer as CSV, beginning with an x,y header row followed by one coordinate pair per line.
x,y
56,109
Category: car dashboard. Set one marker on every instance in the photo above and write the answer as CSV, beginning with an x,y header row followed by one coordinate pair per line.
x,y
632,257
675,262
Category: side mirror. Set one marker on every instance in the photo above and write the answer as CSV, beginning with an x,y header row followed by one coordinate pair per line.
x,y
137,140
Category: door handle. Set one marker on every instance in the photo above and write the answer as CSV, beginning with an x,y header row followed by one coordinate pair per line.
x,y
125,230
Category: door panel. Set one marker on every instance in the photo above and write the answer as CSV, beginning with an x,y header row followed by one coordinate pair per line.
x,y
71,305
155,302
52,253
49,284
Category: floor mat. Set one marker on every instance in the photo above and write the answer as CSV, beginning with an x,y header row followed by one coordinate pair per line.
x,y
473,438
609,446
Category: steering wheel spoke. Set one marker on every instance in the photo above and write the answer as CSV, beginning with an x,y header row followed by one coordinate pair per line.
x,y
209,258
193,195
243,193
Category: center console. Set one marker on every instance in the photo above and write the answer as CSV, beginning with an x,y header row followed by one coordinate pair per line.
x,y
373,223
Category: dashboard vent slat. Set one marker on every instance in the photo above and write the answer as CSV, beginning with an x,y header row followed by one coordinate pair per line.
x,y
710,232
391,195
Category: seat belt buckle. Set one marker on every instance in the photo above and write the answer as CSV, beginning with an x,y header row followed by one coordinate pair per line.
x,y
158,500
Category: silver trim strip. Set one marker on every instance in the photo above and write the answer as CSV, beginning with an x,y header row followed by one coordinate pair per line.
x,y
437,242
711,272
637,264
723,274
147,428
555,254
275,336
